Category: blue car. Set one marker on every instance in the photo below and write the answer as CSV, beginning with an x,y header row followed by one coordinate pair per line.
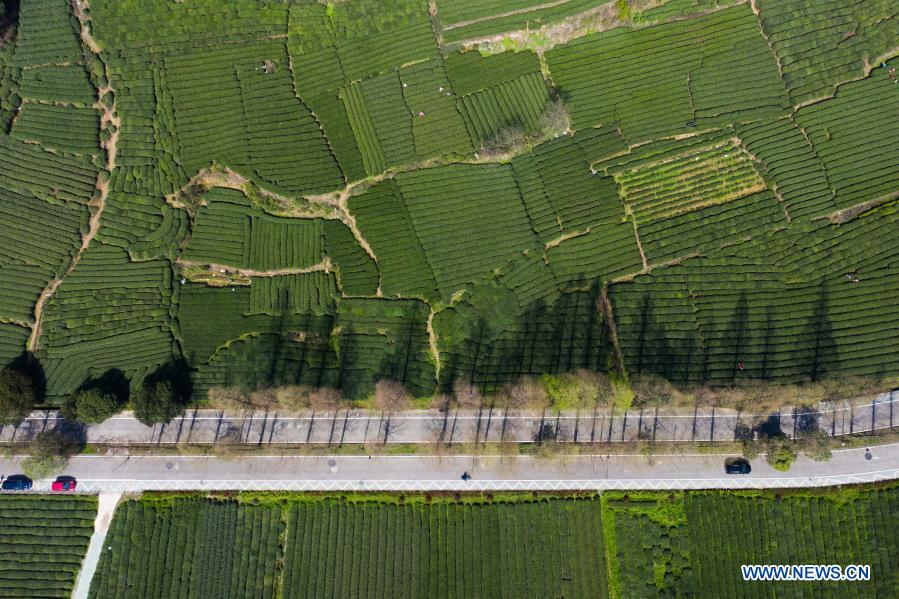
x,y
16,482
737,466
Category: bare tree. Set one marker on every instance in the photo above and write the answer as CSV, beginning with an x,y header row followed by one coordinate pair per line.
x,y
555,120
390,397
263,399
293,398
762,397
651,390
237,400
506,140
526,393
439,426
325,399
228,399
592,389
441,402
466,394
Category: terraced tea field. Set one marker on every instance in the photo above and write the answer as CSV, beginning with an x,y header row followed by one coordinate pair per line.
x,y
693,544
634,545
42,542
266,193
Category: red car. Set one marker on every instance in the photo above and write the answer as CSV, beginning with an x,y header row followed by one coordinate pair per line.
x,y
63,484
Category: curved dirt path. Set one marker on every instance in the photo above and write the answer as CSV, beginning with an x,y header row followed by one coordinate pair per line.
x,y
98,203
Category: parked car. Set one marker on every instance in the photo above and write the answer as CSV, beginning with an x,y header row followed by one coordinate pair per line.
x,y
16,482
63,484
737,466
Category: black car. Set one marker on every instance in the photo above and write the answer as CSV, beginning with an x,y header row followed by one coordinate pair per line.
x,y
16,482
737,466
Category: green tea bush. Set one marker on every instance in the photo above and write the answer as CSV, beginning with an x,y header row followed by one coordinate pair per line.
x,y
44,542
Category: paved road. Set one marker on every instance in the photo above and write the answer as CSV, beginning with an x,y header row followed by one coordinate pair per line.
x,y
105,511
111,474
263,428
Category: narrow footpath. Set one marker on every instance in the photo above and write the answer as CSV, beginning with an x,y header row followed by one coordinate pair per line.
x,y
105,511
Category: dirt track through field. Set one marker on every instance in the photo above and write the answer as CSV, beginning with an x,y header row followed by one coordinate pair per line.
x,y
510,13
593,20
98,203
323,266
432,344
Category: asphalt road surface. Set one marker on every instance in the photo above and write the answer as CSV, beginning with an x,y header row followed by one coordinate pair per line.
x,y
203,427
117,473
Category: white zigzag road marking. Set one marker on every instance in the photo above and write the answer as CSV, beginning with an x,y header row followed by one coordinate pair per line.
x,y
133,486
